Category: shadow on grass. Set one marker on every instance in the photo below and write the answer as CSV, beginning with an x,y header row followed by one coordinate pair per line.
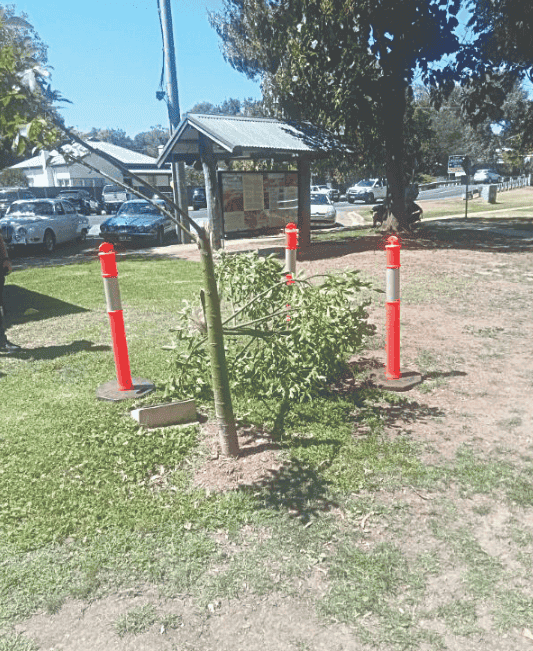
x,y
51,352
473,234
23,305
409,412
296,489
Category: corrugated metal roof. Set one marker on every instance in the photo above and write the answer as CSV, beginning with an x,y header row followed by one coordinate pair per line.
x,y
243,136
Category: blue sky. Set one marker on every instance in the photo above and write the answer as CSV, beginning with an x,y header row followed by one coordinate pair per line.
x,y
107,58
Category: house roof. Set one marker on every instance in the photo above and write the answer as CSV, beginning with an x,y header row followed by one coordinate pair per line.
x,y
125,156
36,161
121,154
247,137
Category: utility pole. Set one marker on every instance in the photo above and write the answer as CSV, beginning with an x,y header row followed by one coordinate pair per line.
x,y
178,169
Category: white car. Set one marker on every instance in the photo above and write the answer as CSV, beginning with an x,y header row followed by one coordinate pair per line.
x,y
486,176
367,190
322,210
332,193
45,222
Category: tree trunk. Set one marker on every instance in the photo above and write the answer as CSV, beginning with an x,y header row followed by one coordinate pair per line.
x,y
394,97
219,370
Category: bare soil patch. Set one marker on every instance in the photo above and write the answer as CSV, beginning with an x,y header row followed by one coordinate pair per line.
x,y
259,458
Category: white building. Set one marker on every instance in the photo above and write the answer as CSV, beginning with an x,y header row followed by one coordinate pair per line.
x,y
49,169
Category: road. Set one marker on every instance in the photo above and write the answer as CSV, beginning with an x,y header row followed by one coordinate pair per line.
x,y
95,220
342,206
426,195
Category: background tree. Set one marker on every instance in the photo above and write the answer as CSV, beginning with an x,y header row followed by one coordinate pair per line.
x,y
344,64
113,136
148,142
26,100
13,178
451,134
485,142
247,108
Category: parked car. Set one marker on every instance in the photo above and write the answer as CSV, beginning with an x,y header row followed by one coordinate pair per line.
x,y
486,176
8,195
137,220
322,209
332,193
113,196
45,222
97,206
80,199
367,190
199,200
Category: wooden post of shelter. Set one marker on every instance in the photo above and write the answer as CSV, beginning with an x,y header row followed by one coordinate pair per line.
x,y
304,202
212,193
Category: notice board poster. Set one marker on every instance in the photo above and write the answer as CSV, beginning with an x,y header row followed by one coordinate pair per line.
x,y
253,201
455,164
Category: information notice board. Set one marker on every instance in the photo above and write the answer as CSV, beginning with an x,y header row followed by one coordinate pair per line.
x,y
455,164
253,201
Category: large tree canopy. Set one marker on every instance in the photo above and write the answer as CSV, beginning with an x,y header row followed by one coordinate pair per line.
x,y
346,64
504,33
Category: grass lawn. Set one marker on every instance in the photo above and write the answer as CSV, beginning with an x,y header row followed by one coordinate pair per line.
x,y
92,504
89,499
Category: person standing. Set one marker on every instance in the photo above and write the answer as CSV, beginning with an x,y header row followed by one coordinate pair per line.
x,y
5,268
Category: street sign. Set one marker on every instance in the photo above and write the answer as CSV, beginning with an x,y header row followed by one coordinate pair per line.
x,y
455,164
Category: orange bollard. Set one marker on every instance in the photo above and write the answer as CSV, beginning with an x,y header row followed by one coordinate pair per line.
x,y
116,317
124,387
392,310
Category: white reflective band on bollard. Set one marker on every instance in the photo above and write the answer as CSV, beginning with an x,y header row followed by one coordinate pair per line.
x,y
112,294
393,285
290,261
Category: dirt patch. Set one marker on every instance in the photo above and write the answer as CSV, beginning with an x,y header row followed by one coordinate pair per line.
x,y
259,458
271,623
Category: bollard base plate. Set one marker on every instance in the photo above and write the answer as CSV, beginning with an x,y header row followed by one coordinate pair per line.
x,y
110,391
406,381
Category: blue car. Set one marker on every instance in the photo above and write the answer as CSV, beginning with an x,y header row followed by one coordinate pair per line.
x,y
139,221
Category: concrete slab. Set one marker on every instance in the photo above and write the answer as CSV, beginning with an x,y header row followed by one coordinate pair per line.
x,y
172,413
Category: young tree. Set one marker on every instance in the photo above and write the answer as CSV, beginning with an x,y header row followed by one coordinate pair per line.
x,y
219,372
345,64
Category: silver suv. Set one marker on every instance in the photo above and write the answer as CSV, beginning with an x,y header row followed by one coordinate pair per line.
x,y
487,176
